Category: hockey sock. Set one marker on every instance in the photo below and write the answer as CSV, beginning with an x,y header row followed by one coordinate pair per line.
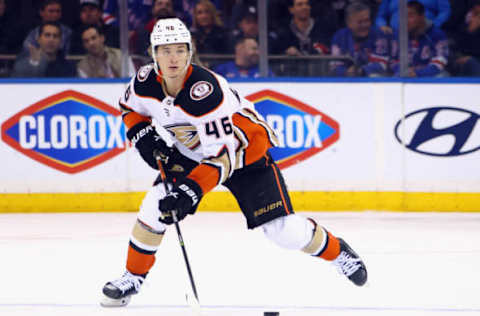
x,y
143,245
323,243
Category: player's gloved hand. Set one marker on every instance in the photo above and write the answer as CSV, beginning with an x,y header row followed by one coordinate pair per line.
x,y
183,200
146,139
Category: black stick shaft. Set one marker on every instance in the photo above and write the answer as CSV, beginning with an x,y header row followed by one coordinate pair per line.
x,y
177,225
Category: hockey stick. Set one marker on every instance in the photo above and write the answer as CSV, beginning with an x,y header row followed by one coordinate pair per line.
x,y
195,304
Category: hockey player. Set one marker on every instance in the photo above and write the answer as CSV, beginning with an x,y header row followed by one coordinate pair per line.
x,y
219,139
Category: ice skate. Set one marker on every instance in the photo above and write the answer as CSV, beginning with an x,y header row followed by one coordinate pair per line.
x,y
118,293
349,264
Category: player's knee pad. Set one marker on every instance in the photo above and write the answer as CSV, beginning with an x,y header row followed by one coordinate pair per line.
x,y
291,231
149,212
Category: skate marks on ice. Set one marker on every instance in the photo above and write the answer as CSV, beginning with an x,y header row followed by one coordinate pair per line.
x,y
418,264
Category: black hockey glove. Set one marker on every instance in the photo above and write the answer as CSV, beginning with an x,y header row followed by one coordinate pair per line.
x,y
146,140
183,199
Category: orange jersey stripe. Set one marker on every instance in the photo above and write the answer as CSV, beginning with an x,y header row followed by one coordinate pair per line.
x,y
280,189
206,176
258,140
131,119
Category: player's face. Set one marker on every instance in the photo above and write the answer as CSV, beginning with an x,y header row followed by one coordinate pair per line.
x,y
172,59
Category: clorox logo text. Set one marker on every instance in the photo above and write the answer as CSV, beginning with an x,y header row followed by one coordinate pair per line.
x,y
69,131
302,130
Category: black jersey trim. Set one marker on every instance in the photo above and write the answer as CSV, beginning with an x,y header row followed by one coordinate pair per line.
x,y
149,88
195,103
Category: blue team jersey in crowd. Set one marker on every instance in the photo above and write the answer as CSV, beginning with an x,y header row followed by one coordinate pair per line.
x,y
138,12
371,54
427,54
230,70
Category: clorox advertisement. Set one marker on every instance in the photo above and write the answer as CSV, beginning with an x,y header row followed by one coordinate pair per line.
x,y
302,130
333,137
69,131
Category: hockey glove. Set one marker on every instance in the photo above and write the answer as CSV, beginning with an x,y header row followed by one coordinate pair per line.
x,y
146,140
183,199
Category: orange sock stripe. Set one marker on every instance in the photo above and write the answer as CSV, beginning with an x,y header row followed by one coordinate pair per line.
x,y
332,248
139,263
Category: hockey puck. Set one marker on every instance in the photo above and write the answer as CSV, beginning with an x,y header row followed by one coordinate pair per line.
x,y
271,314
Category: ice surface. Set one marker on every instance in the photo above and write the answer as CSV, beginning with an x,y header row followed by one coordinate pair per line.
x,y
418,264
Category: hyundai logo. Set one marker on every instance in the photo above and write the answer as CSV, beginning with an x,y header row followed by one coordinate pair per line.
x,y
440,131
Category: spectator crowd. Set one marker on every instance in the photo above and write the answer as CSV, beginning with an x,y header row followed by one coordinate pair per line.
x,y
351,38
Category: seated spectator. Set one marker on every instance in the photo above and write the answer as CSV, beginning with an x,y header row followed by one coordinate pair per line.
x,y
458,11
48,59
341,5
367,45
325,12
185,9
50,11
467,61
246,61
427,46
100,61
437,11
247,27
141,38
91,14
304,35
207,30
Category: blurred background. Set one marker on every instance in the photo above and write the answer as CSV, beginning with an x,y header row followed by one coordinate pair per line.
x,y
245,38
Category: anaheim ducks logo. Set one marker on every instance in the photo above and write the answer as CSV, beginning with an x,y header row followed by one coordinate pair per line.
x,y
200,90
186,134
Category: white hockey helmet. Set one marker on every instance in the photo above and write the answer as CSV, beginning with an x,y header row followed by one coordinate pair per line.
x,y
170,31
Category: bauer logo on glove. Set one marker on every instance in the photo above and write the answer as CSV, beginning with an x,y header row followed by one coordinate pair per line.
x,y
183,200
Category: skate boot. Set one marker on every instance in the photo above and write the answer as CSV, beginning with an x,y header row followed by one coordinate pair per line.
x,y
118,293
349,264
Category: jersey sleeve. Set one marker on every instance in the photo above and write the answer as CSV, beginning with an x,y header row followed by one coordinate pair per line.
x,y
130,103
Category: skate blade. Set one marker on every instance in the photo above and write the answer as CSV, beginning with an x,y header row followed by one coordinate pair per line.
x,y
111,302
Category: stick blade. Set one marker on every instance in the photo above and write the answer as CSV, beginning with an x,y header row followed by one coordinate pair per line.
x,y
194,305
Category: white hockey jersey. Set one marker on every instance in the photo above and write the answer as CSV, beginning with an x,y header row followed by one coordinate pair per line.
x,y
208,120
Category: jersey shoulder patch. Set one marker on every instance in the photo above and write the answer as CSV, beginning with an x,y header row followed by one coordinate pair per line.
x,y
144,72
201,93
146,84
